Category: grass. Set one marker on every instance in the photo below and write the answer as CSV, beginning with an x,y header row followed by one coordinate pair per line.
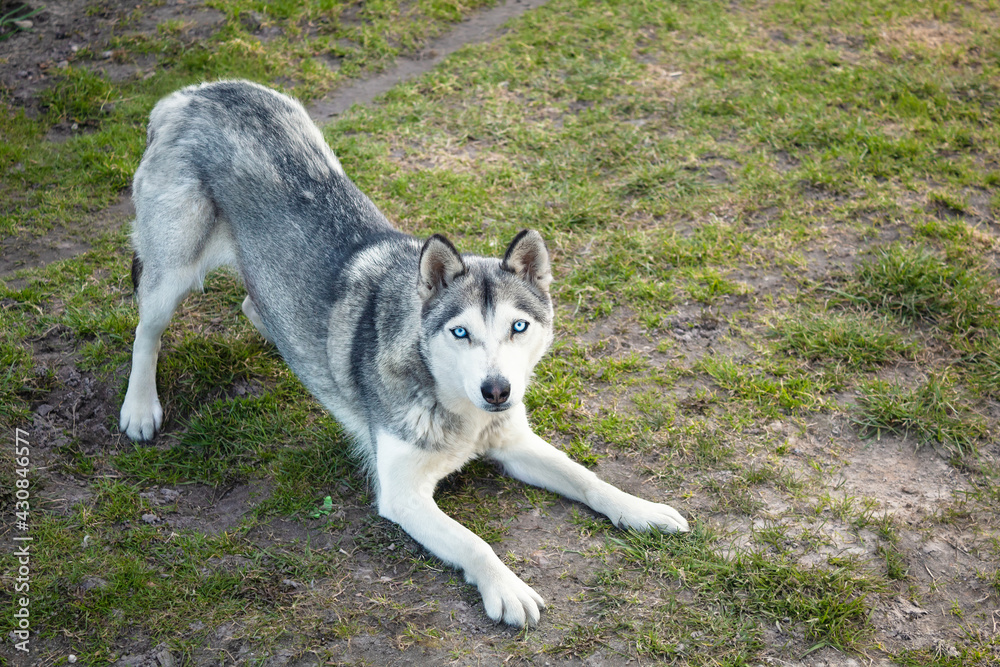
x,y
982,359
830,605
144,573
773,235
916,284
771,390
855,340
932,412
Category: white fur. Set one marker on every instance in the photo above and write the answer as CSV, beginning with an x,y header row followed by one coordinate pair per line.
x,y
460,365
250,311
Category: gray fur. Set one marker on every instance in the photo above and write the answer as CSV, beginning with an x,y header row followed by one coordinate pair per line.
x,y
422,353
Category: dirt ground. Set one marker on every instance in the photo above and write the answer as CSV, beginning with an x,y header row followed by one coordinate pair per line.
x,y
62,32
914,486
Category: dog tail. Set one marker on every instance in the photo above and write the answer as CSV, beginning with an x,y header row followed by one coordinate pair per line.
x,y
136,271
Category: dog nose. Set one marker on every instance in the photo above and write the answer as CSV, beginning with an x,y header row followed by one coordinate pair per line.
x,y
496,391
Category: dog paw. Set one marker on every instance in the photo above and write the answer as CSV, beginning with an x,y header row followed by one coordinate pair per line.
x,y
140,419
643,515
507,598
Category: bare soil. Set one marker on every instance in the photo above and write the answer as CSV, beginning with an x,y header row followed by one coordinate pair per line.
x,y
62,32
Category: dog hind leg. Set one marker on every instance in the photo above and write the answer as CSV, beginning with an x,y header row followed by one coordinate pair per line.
x,y
177,239
159,295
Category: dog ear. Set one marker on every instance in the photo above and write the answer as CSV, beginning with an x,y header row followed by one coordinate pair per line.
x,y
440,264
528,258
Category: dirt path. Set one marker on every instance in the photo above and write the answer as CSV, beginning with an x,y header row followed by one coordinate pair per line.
x,y
480,27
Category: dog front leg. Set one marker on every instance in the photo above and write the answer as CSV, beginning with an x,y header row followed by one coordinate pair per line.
x,y
407,476
529,458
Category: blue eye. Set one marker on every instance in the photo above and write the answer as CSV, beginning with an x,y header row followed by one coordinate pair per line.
x,y
519,326
460,332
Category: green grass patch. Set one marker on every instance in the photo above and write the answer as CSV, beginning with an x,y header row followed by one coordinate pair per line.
x,y
703,446
771,389
859,341
831,604
914,283
318,45
241,439
102,570
896,567
982,362
932,412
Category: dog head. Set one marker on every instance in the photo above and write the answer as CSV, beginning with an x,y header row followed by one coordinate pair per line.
x,y
486,322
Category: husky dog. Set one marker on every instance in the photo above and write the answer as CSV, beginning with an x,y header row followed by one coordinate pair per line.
x,y
422,353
